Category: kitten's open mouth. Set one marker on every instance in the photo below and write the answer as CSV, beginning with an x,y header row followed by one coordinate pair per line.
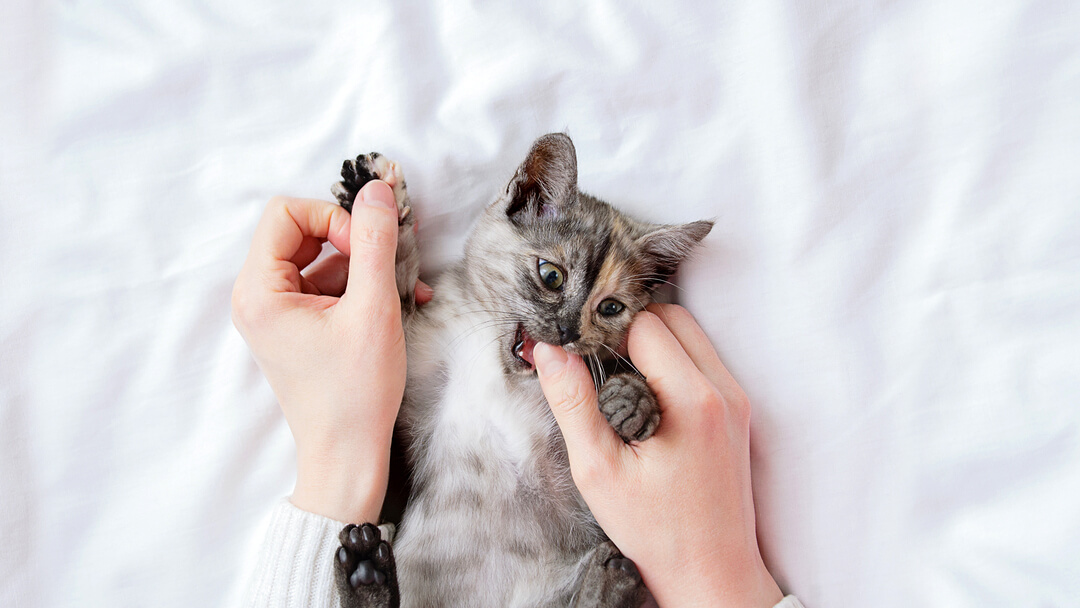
x,y
522,347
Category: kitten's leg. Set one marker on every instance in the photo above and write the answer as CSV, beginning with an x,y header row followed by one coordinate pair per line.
x,y
629,406
365,571
609,581
356,173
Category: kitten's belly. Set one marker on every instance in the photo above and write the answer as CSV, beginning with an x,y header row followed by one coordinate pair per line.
x,y
494,519
467,543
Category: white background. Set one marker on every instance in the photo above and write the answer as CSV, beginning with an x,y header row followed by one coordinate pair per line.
x,y
894,276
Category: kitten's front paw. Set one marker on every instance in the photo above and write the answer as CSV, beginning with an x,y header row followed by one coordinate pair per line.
x,y
610,581
365,569
356,173
630,407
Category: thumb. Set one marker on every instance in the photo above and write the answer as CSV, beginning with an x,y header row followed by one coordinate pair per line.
x,y
373,235
570,393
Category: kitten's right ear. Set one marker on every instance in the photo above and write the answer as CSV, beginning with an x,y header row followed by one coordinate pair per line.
x,y
546,182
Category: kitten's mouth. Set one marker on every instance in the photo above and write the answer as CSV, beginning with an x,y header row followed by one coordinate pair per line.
x,y
522,348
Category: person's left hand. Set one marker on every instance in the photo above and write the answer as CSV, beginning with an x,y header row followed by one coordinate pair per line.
x,y
330,342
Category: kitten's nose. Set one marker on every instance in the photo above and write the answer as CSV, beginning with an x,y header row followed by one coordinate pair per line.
x,y
567,335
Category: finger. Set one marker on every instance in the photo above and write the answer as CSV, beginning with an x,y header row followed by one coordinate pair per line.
x,y
696,344
309,250
424,293
373,244
569,390
283,228
657,354
308,287
330,275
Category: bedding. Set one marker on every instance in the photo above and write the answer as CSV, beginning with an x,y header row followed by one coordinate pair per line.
x,y
894,276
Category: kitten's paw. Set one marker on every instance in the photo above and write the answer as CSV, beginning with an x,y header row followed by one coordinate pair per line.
x,y
610,581
365,570
630,407
356,173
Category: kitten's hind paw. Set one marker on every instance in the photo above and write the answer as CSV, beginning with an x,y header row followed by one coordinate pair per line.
x,y
629,405
365,570
610,581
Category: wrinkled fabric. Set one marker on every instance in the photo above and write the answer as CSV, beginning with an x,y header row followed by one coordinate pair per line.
x,y
894,276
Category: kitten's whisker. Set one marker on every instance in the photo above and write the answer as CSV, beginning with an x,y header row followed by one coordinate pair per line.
x,y
641,280
603,373
625,360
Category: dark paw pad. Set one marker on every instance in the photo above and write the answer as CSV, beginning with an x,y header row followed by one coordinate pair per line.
x,y
365,568
630,407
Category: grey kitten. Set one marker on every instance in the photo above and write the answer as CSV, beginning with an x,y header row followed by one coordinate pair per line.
x,y
494,518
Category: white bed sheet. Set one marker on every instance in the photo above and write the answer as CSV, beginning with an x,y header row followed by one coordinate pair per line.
x,y
894,277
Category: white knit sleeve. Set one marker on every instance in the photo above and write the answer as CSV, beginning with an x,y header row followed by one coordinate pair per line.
x,y
295,568
789,602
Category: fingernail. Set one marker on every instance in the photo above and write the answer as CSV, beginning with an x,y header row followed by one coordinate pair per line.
x,y
549,359
377,193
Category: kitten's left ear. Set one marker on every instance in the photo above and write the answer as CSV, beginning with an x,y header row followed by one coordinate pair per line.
x,y
665,247
545,182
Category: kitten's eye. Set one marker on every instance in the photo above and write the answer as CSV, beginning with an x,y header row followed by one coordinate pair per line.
x,y
610,308
550,274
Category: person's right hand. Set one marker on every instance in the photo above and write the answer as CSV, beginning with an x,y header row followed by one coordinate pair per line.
x,y
679,503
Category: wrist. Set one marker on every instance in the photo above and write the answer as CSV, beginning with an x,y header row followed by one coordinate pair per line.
x,y
348,485
736,584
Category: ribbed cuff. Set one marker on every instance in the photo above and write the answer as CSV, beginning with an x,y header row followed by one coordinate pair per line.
x,y
789,601
296,563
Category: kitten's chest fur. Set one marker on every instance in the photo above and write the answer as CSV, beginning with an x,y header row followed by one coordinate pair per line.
x,y
493,500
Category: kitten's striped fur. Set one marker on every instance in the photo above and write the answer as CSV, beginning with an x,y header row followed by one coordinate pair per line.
x,y
494,518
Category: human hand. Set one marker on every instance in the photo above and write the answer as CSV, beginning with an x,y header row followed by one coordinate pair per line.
x,y
330,342
679,503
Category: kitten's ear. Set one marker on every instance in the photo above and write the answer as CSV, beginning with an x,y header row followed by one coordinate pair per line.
x,y
546,182
665,247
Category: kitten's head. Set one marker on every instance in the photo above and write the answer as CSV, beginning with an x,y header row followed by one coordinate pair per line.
x,y
555,265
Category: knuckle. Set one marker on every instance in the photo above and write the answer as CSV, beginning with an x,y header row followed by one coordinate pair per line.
x,y
707,405
278,203
377,235
589,472
249,310
242,305
738,407
575,398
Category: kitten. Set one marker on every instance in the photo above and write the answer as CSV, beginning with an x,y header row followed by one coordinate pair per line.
x,y
494,518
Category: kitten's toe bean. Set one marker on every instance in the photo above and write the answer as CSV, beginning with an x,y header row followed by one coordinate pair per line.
x,y
382,555
365,569
629,405
346,559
